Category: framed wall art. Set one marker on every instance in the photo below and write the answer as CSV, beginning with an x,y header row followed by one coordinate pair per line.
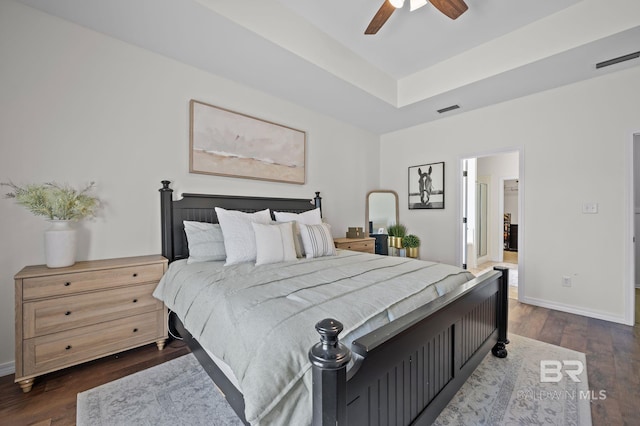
x,y
228,143
426,186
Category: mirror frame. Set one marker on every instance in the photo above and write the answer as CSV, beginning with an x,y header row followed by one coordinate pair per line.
x,y
366,206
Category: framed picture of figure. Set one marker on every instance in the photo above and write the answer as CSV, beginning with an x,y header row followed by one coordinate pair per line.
x,y
426,186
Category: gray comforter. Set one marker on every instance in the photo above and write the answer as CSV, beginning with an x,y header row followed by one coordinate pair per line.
x,y
260,319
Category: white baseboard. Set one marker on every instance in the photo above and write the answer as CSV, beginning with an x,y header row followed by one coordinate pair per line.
x,y
7,368
574,310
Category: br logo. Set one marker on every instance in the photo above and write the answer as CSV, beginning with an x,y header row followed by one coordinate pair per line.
x,y
551,370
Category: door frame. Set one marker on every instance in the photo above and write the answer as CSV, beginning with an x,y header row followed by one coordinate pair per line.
x,y
630,269
521,212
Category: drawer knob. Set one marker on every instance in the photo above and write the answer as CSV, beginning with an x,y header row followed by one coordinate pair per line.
x,y
135,330
135,300
135,274
67,284
68,313
68,347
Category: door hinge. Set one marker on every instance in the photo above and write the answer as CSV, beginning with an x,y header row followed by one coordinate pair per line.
x,y
464,173
464,220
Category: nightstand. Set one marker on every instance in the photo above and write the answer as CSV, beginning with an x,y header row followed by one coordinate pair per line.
x,y
367,245
67,316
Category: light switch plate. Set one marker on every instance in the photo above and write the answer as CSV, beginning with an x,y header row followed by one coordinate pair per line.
x,y
589,208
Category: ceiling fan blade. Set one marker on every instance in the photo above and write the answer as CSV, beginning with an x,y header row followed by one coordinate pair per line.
x,y
380,18
452,8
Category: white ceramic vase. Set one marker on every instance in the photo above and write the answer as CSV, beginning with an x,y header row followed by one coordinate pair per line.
x,y
60,244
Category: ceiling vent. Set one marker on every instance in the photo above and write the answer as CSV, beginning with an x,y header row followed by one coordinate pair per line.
x,y
449,108
618,60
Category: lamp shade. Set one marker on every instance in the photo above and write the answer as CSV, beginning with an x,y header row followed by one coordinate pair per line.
x,y
416,4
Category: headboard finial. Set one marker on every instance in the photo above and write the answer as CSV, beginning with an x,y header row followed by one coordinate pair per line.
x,y
166,219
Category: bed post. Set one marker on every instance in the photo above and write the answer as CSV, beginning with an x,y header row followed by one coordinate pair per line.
x,y
329,360
317,200
166,219
499,349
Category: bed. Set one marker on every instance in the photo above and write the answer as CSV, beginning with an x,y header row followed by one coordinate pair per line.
x,y
399,364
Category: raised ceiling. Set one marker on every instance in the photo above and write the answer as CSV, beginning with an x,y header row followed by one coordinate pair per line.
x,y
315,53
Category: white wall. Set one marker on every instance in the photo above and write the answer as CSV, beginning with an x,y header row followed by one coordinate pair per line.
x,y
79,106
574,141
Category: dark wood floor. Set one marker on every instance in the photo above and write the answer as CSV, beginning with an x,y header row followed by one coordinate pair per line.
x,y
612,350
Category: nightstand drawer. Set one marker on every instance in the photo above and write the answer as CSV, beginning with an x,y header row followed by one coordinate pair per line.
x,y
64,313
66,348
367,245
360,246
60,285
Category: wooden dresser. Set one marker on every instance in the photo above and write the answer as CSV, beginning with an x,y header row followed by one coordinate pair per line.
x,y
367,245
66,316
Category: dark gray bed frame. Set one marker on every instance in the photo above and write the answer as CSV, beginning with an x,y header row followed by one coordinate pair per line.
x,y
408,370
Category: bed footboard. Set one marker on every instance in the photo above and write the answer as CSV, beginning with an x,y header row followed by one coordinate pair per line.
x,y
410,369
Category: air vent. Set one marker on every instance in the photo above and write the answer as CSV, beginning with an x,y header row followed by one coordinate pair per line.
x,y
449,108
618,60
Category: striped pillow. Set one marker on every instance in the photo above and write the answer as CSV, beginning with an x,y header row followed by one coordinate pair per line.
x,y
317,240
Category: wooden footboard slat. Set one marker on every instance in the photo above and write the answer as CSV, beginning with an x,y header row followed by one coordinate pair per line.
x,y
477,326
400,393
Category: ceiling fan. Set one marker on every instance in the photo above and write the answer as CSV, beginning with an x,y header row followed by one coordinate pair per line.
x,y
451,8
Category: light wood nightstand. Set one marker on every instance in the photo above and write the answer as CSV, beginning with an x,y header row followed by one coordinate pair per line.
x,y
67,316
367,245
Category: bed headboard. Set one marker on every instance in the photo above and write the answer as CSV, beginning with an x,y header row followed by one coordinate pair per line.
x,y
201,208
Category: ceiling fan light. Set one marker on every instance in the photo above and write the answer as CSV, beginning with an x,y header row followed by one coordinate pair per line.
x,y
416,4
397,3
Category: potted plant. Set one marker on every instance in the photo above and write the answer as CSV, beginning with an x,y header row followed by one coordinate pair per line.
x,y
412,244
396,232
61,205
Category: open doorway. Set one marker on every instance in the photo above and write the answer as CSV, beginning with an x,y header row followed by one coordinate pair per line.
x,y
492,215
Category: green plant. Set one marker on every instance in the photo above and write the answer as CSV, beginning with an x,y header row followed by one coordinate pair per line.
x,y
56,202
397,230
410,241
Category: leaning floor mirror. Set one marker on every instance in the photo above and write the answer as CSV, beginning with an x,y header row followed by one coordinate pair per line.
x,y
381,211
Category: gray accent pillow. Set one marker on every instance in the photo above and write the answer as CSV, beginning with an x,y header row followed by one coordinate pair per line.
x,y
205,240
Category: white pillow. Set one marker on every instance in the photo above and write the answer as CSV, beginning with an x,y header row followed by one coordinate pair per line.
x,y
311,217
317,240
239,238
205,240
274,243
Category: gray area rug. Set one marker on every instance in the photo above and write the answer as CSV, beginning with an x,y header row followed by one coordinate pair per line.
x,y
178,392
509,391
500,392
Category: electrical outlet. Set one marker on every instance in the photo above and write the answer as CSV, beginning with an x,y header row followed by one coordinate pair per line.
x,y
566,281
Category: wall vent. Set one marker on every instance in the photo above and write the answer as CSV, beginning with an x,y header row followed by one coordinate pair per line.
x,y
449,108
618,60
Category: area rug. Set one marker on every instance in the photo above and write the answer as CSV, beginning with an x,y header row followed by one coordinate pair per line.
x,y
500,392
178,392
510,391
